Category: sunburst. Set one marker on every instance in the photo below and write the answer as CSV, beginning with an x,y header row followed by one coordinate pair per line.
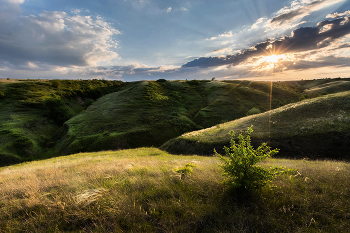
x,y
273,58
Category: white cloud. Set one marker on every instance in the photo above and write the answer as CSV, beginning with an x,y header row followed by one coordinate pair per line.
x,y
224,35
335,15
183,9
56,38
298,10
168,9
282,22
16,1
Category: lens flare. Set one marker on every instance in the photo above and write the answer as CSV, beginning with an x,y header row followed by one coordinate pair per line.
x,y
274,58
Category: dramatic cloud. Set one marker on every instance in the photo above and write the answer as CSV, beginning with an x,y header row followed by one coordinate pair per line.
x,y
302,39
282,22
296,14
335,15
54,38
232,39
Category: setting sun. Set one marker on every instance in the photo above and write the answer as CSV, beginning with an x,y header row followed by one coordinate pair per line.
x,y
274,58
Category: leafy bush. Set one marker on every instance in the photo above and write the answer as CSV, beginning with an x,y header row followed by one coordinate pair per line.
x,y
187,170
162,80
253,111
194,82
55,83
57,110
239,164
2,94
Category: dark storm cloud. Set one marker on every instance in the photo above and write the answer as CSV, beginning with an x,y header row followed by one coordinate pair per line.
x,y
302,39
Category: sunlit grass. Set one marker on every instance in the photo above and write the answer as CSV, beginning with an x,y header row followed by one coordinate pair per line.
x,y
317,126
138,191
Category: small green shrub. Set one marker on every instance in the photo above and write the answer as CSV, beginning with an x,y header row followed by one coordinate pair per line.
x,y
239,164
55,83
2,94
253,111
187,170
162,80
56,109
194,82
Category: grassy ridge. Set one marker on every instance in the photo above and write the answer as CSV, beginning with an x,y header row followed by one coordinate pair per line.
x,y
152,112
40,119
32,111
317,128
138,191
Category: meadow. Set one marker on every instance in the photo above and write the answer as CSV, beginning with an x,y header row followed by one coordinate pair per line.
x,y
138,190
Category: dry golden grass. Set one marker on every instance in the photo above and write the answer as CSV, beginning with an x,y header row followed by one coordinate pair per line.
x,y
138,191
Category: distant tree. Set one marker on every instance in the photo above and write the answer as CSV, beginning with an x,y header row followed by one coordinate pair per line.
x,y
162,80
56,83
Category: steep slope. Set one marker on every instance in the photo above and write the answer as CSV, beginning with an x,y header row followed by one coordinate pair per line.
x,y
151,112
316,128
46,118
32,111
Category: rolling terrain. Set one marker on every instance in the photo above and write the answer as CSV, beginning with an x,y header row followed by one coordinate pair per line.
x,y
32,111
313,128
141,190
150,113
41,119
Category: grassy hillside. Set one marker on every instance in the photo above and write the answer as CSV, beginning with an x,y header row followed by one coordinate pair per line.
x,y
317,128
31,112
151,112
138,191
46,118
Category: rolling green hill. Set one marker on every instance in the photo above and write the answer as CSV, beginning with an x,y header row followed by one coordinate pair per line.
x,y
316,128
151,112
47,118
32,111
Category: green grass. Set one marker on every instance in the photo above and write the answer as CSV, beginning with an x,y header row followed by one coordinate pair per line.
x,y
150,113
317,128
138,191
46,118
32,111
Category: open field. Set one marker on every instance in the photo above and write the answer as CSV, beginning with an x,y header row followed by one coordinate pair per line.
x,y
138,191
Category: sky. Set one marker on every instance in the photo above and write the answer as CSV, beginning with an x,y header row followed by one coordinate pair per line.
x,y
133,40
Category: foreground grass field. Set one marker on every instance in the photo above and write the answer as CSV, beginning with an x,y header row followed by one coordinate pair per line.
x,y
138,191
